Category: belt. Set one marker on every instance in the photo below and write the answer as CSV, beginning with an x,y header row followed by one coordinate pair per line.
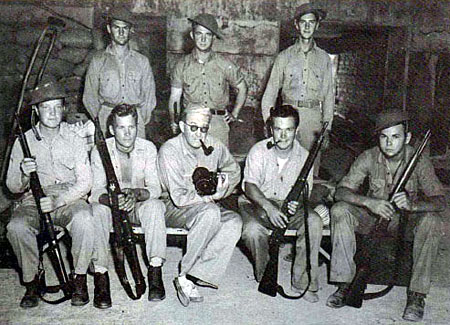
x,y
313,103
217,111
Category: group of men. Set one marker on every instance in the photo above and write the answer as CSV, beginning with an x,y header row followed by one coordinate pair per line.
x,y
120,91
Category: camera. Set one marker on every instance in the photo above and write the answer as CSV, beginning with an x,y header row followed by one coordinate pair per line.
x,y
205,181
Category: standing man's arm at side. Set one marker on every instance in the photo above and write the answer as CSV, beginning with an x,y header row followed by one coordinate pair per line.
x,y
175,99
148,87
91,98
240,98
272,88
328,95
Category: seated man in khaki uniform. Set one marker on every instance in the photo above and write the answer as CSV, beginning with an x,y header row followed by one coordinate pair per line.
x,y
213,230
423,198
62,165
271,169
134,161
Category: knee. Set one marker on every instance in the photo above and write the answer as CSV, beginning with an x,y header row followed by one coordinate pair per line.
x,y
16,227
210,212
339,211
431,223
153,208
253,230
315,223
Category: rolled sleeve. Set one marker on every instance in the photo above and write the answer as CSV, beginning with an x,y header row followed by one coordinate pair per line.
x,y
429,183
14,175
233,74
228,165
253,168
176,79
357,173
328,94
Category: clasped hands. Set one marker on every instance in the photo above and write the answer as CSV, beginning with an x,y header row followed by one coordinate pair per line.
x,y
278,218
387,210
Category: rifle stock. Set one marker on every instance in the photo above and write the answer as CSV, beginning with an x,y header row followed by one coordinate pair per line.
x,y
124,243
269,281
355,293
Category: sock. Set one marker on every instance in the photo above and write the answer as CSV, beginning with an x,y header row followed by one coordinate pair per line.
x,y
156,261
100,269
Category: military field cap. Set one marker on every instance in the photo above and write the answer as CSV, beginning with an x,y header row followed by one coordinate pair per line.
x,y
47,91
208,21
388,118
308,8
122,14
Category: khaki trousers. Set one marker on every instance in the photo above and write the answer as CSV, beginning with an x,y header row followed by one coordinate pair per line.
x,y
347,218
255,235
149,214
213,234
219,129
24,226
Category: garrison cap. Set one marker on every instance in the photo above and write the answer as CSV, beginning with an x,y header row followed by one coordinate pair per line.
x,y
121,13
388,118
47,91
208,21
308,8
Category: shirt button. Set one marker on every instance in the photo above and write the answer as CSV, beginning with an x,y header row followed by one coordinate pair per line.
x,y
205,92
123,85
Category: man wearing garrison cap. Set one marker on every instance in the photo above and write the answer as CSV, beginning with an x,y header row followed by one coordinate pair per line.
x,y
120,75
421,203
213,230
203,78
303,72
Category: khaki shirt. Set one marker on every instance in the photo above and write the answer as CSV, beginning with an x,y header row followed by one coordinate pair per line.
x,y
206,83
113,81
261,169
301,77
62,166
372,164
176,165
144,173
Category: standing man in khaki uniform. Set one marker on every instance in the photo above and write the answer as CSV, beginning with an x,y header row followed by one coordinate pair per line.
x,y
204,78
303,72
119,75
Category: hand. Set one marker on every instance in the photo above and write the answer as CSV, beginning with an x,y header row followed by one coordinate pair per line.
x,y
127,200
381,208
174,128
229,118
28,166
292,207
48,204
222,187
276,217
402,201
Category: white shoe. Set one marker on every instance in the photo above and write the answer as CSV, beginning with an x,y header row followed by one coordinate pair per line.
x,y
195,295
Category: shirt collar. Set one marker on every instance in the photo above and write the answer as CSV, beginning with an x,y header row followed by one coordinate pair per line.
x,y
110,50
298,45
195,56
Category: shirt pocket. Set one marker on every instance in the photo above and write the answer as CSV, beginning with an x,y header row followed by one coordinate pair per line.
x,y
218,84
377,186
315,78
67,162
109,83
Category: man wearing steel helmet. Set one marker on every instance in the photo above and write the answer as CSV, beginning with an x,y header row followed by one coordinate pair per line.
x,y
213,230
203,78
62,165
119,75
421,203
303,72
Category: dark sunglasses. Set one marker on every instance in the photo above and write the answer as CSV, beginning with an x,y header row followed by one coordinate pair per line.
x,y
194,128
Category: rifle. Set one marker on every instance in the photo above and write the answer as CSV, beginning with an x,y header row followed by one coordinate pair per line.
x,y
52,27
355,293
124,243
269,281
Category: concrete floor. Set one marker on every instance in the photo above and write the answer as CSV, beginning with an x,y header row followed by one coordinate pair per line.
x,y
236,302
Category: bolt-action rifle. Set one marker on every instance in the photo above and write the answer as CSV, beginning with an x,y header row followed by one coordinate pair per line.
x,y
124,241
355,293
269,281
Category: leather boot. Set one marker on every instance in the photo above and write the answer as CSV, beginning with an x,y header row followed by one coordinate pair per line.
x,y
31,297
156,291
102,292
80,294
337,299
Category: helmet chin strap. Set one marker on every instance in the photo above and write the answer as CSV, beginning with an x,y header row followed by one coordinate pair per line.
x,y
33,125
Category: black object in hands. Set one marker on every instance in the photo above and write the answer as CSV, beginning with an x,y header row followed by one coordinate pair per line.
x,y
205,181
207,150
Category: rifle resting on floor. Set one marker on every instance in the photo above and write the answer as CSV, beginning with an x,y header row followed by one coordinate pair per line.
x,y
124,240
269,281
355,293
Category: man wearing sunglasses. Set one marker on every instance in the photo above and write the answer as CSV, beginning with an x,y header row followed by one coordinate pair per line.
x,y
213,230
